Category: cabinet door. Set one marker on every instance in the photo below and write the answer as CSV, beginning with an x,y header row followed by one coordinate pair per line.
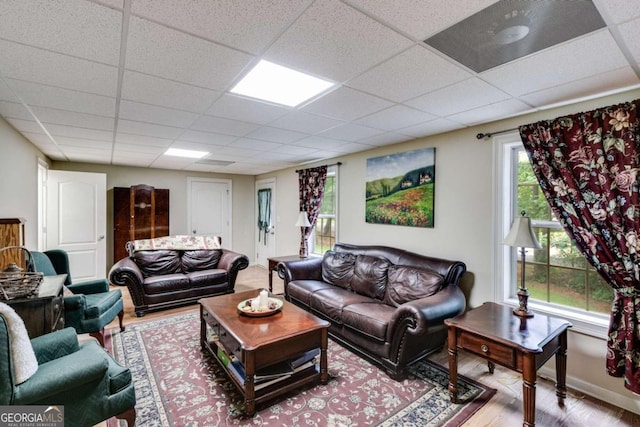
x,y
11,234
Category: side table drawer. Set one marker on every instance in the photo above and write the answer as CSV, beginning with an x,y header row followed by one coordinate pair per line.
x,y
230,344
488,349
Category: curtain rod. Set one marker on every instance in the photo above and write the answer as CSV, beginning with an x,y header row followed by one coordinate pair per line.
x,y
490,134
333,164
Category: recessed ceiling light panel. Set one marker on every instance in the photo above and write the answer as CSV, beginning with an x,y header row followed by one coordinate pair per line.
x,y
179,152
281,85
511,29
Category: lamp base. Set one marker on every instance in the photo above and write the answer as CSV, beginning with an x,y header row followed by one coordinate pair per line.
x,y
523,299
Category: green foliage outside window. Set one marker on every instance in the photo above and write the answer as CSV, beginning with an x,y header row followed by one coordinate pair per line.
x,y
325,229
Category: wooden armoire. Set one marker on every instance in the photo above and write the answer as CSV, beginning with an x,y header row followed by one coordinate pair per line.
x,y
139,212
11,234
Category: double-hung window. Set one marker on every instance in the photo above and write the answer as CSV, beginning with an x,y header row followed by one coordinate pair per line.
x,y
558,277
325,230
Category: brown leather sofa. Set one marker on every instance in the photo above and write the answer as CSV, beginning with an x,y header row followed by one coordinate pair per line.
x,y
161,279
385,304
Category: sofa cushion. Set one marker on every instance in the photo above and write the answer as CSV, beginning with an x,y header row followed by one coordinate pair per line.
x,y
337,268
370,276
207,277
200,260
166,283
158,263
370,318
330,302
302,290
411,283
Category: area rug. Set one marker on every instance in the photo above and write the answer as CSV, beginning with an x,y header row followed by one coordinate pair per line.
x,y
179,385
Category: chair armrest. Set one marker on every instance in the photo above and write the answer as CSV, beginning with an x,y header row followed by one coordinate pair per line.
x,y
74,302
55,345
95,286
233,262
63,375
417,316
303,269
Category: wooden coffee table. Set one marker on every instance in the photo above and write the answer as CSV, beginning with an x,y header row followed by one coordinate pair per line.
x,y
259,342
493,332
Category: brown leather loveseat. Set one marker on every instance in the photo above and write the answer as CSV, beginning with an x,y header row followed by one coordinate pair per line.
x,y
386,304
160,279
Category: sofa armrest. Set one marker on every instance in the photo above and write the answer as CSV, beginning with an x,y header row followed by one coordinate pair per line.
x,y
302,269
233,262
55,345
416,317
96,286
124,272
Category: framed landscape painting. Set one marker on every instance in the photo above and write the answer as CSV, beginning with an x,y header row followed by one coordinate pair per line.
x,y
400,188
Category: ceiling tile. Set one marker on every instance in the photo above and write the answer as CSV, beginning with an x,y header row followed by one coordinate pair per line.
x,y
618,11
421,18
587,56
276,135
300,121
83,133
395,118
431,128
34,94
238,108
166,93
351,132
207,137
346,104
74,27
255,144
223,126
77,144
351,147
71,118
164,52
584,87
319,142
153,114
25,125
487,113
148,129
149,151
412,73
54,69
468,94
14,110
355,42
630,33
295,150
196,146
248,26
127,138
384,139
6,94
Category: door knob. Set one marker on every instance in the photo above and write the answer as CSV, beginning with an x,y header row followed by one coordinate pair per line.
x,y
100,238
194,231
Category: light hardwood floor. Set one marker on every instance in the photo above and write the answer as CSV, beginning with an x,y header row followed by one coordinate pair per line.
x,y
505,407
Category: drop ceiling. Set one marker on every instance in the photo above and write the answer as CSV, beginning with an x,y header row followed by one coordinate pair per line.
x,y
115,82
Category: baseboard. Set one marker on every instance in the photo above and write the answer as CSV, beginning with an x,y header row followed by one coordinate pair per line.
x,y
625,402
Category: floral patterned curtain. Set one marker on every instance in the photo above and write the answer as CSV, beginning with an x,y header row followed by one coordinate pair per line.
x,y
311,189
587,165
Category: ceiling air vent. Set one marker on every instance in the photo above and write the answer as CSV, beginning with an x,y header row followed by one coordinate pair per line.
x,y
511,29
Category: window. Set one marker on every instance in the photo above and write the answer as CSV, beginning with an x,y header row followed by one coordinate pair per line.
x,y
324,234
558,277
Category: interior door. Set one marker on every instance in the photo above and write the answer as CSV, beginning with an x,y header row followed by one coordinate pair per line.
x,y
76,221
210,208
265,233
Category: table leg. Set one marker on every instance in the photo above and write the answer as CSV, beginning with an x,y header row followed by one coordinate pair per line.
x,y
453,365
249,390
529,390
203,329
561,369
324,371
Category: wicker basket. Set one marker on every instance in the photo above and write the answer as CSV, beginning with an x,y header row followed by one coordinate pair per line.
x,y
16,283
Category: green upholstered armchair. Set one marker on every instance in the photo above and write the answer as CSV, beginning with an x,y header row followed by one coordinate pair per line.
x,y
92,305
90,385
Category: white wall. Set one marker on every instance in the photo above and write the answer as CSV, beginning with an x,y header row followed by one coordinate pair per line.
x,y
464,225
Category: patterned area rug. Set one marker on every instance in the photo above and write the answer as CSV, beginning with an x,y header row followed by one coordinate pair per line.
x,y
178,385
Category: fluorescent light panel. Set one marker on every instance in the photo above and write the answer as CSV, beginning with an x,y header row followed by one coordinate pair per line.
x,y
274,83
178,152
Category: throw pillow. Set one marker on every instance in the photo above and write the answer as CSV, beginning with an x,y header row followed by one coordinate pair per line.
x,y
370,276
337,268
200,260
408,283
158,263
24,359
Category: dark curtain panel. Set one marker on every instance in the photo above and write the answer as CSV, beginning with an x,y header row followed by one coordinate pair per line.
x,y
311,189
587,165
264,214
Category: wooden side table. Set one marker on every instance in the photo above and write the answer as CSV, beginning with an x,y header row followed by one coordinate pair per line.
x,y
273,263
493,332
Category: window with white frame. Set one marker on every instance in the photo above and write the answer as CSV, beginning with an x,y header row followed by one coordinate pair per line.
x,y
325,230
557,276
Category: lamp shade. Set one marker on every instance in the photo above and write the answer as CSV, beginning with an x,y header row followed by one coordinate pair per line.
x,y
521,234
303,220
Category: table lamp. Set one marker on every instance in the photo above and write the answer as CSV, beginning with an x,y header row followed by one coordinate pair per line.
x,y
521,236
303,222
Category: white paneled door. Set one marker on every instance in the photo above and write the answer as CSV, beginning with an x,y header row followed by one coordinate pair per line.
x,y
76,221
265,221
210,208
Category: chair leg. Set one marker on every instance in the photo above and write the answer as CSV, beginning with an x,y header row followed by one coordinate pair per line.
x,y
99,336
129,416
120,318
